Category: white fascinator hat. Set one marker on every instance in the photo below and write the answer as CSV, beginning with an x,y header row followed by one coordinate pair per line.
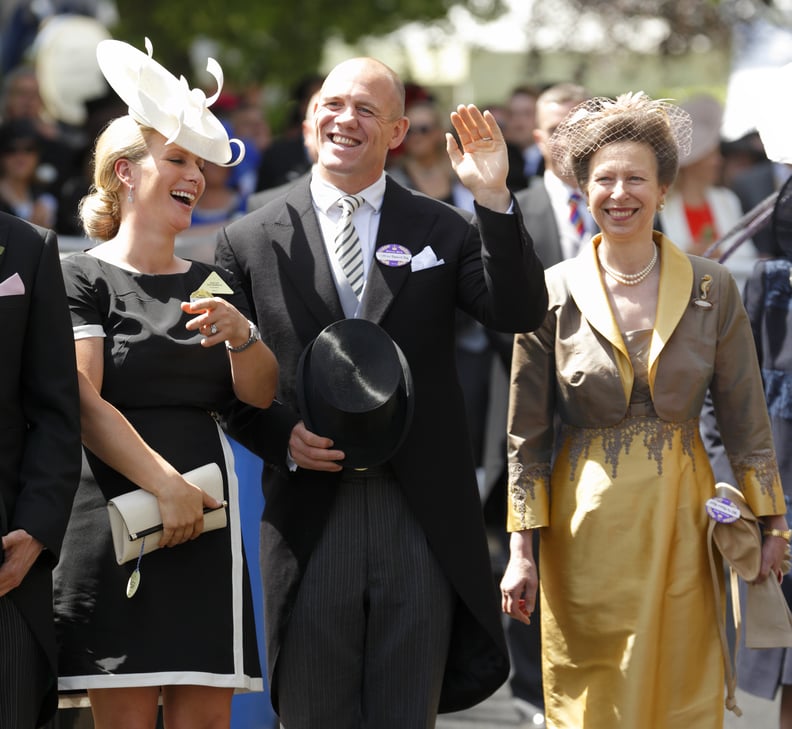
x,y
158,100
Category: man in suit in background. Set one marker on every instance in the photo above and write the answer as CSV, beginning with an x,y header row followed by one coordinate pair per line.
x,y
520,123
262,197
553,207
39,464
286,158
378,584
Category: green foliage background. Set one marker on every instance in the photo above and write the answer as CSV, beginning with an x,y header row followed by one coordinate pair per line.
x,y
265,40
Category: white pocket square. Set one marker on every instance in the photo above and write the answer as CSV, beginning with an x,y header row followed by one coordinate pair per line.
x,y
12,286
425,259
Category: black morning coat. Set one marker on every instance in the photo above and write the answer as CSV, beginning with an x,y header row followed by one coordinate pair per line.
x,y
489,270
40,452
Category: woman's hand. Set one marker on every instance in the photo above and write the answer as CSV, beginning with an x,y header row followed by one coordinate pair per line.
x,y
520,580
775,550
254,370
181,506
218,321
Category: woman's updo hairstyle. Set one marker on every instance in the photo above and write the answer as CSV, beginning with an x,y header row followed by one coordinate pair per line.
x,y
100,209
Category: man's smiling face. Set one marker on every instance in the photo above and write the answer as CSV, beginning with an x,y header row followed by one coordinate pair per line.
x,y
359,118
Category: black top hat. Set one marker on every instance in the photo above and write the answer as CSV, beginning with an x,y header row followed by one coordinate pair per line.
x,y
354,386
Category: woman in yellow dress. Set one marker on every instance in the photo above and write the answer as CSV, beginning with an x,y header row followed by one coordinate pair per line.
x,y
605,456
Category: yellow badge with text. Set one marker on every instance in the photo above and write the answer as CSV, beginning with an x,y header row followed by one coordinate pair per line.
x,y
212,286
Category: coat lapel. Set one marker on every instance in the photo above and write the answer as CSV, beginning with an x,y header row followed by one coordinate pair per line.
x,y
673,298
304,257
592,300
384,282
676,280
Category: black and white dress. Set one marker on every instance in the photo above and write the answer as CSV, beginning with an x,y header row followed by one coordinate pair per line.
x,y
191,620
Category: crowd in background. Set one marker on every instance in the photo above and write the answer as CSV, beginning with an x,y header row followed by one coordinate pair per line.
x,y
44,162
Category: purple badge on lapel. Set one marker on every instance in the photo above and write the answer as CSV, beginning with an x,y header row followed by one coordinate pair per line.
x,y
393,254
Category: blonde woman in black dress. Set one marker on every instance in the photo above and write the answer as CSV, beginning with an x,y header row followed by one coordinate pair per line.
x,y
163,343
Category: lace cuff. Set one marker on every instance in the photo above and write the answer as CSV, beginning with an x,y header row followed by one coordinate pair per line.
x,y
758,479
528,494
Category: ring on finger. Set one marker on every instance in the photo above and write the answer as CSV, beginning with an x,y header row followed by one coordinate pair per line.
x,y
213,328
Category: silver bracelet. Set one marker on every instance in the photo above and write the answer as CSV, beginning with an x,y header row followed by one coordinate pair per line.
x,y
255,336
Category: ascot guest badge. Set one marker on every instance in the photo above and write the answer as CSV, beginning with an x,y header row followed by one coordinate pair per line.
x,y
393,254
212,286
722,510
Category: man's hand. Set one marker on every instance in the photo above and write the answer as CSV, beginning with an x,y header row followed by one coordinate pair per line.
x,y
21,551
312,451
482,163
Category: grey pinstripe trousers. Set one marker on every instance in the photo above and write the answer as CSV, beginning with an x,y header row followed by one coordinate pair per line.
x,y
23,670
367,642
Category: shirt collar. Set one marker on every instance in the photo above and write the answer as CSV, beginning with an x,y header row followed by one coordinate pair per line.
x,y
325,195
557,187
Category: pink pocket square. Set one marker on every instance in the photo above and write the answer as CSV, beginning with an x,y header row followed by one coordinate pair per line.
x,y
12,286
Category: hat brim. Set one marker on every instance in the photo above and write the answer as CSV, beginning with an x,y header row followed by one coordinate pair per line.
x,y
156,99
367,438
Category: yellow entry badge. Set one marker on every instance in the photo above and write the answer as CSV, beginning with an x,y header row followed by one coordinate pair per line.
x,y
212,286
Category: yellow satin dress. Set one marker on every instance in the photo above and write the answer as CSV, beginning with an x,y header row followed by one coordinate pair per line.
x,y
629,634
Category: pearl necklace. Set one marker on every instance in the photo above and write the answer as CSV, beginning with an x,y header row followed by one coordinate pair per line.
x,y
629,279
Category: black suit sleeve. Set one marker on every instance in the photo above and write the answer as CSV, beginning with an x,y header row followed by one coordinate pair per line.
x,y
263,432
50,466
514,275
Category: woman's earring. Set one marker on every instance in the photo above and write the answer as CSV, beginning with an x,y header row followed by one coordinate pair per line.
x,y
131,194
661,206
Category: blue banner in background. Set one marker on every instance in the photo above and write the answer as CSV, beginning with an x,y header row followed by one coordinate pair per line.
x,y
252,710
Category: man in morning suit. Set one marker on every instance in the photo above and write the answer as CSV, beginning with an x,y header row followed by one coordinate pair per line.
x,y
380,604
39,464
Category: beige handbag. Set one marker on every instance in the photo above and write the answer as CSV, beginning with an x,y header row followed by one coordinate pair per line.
x,y
135,519
734,531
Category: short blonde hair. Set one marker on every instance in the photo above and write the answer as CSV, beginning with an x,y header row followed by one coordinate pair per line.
x,y
100,209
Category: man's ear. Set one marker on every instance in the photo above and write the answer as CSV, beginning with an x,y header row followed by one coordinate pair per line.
x,y
400,128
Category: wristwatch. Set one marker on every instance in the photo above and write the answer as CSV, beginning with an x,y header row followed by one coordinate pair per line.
x,y
255,336
785,534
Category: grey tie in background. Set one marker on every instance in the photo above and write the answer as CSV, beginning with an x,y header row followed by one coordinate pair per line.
x,y
347,243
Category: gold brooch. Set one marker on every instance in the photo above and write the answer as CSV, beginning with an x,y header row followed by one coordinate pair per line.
x,y
703,301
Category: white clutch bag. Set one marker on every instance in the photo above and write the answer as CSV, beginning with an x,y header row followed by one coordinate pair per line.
x,y
135,517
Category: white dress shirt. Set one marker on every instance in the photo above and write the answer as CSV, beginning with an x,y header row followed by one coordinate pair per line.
x,y
559,193
366,221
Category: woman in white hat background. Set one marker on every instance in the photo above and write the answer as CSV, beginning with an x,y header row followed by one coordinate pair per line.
x,y
698,211
162,344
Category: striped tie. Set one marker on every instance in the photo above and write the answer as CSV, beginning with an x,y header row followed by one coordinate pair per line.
x,y
575,217
347,243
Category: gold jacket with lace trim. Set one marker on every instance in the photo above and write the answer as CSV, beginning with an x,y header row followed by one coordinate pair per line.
x,y
576,369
